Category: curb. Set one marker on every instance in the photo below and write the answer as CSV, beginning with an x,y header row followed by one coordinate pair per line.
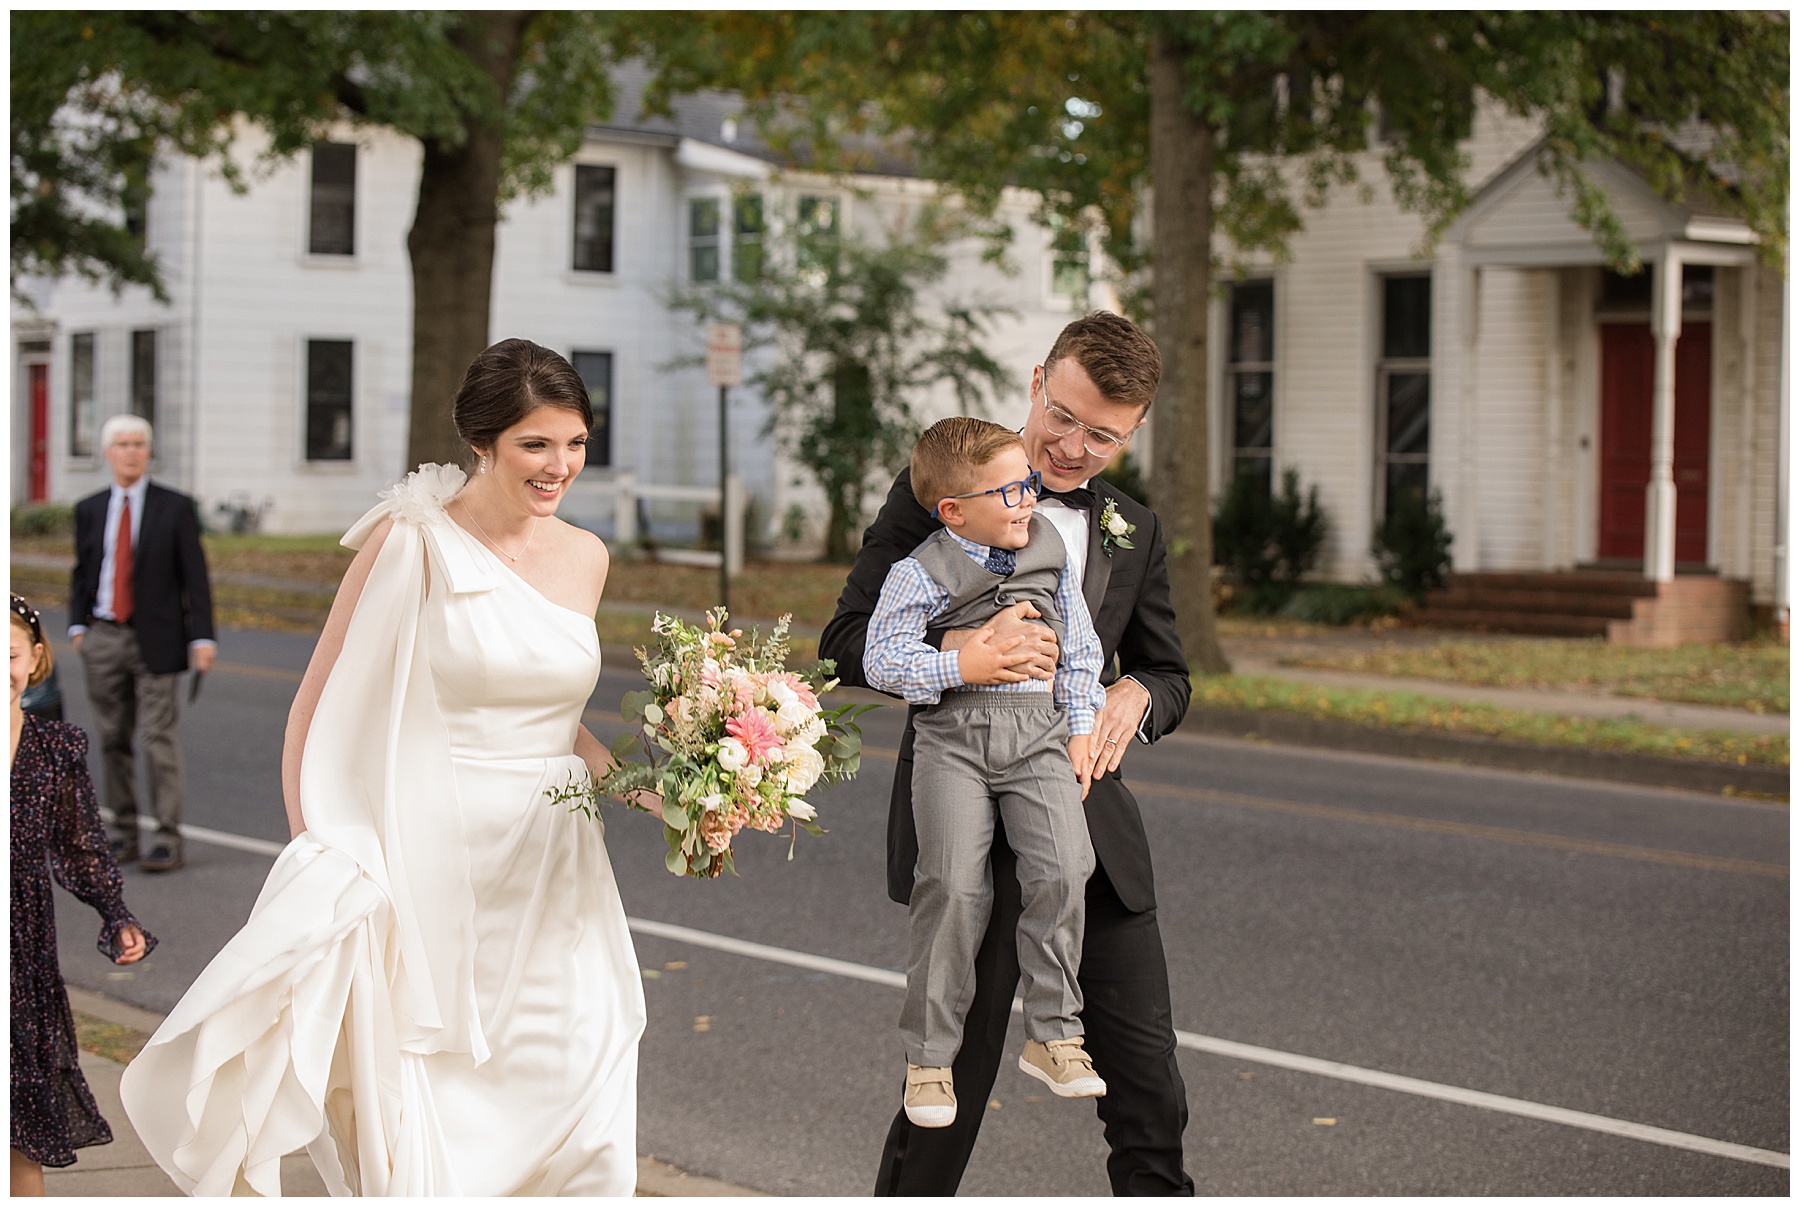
x,y
1651,770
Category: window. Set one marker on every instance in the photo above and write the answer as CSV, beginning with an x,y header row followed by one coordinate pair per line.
x,y
747,237
1403,391
1250,380
594,217
333,228
328,396
703,239
1068,265
596,371
84,423
816,239
143,375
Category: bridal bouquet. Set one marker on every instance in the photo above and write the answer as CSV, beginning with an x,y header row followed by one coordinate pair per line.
x,y
730,738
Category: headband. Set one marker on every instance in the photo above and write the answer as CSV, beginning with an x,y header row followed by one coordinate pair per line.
x,y
28,614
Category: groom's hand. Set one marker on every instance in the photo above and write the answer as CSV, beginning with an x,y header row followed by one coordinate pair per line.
x,y
1126,702
1038,641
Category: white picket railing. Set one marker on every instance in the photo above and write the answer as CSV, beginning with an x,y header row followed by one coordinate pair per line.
x,y
625,490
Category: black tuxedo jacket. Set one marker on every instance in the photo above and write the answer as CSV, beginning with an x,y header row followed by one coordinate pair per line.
x,y
172,598
1127,594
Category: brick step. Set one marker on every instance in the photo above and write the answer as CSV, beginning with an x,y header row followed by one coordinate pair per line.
x,y
1539,624
1578,583
1460,597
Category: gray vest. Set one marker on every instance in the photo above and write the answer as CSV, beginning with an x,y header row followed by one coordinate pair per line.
x,y
976,592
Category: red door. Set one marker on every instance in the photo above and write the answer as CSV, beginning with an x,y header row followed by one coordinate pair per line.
x,y
40,432
1627,379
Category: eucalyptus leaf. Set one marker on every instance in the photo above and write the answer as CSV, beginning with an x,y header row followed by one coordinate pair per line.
x,y
674,816
676,862
623,745
653,714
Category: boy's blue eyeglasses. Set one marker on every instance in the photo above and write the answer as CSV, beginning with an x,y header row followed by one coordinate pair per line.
x,y
1012,494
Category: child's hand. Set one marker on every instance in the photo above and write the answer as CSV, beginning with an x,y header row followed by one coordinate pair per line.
x,y
1078,755
131,946
986,659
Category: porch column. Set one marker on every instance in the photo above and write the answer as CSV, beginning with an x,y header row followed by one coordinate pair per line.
x,y
1659,495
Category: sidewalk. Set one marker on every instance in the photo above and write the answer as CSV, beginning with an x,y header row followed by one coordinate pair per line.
x,y
125,1169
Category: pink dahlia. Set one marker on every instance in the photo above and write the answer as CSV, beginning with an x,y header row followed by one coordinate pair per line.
x,y
756,730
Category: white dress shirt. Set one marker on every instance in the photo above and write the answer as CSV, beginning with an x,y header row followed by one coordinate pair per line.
x,y
1072,525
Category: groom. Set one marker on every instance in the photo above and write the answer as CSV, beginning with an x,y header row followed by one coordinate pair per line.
x,y
1087,398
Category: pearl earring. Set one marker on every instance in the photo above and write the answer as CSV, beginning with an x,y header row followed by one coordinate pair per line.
x,y
483,463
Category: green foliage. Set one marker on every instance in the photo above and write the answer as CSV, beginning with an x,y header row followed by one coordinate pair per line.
x,y
854,341
1412,544
43,519
1339,604
98,95
1268,544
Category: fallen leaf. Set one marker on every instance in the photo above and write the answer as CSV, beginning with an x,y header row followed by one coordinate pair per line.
x,y
676,965
1325,1122
703,1023
993,1104
1247,1076
650,974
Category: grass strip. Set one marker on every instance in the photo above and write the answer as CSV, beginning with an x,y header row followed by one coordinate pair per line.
x,y
1409,710
1752,675
110,1040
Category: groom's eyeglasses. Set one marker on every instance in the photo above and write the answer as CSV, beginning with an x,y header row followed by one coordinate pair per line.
x,y
1012,494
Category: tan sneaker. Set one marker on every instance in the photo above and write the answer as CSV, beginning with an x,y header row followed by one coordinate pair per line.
x,y
1063,1065
930,1097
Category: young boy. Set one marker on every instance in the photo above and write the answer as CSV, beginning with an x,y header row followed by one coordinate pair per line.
x,y
990,739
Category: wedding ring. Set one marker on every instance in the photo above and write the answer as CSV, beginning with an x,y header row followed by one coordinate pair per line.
x,y
1112,741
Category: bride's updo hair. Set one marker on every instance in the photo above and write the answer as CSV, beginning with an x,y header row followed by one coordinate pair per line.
x,y
509,381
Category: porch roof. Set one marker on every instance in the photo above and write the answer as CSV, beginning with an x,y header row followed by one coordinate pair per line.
x,y
1519,219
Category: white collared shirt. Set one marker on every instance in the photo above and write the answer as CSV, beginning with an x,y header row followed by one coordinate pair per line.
x,y
103,598
1072,525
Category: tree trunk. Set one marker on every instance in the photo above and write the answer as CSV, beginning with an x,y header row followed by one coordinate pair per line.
x,y
452,246
1181,172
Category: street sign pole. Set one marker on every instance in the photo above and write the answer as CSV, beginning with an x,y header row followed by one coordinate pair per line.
x,y
724,369
724,498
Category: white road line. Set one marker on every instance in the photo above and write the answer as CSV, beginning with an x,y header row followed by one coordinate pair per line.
x,y
1268,1056
1186,1039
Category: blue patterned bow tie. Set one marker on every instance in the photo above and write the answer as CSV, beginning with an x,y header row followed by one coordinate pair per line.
x,y
1001,562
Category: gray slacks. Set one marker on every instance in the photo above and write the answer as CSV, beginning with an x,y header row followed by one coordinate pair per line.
x,y
128,699
974,753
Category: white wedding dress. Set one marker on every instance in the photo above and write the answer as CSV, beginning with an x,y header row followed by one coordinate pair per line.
x,y
435,993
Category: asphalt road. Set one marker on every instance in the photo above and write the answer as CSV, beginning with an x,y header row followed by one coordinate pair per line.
x,y
1609,950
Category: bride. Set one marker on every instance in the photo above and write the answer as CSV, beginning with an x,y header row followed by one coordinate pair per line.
x,y
436,992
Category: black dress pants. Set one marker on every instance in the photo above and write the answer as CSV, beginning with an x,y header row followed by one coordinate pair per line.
x,y
1130,1036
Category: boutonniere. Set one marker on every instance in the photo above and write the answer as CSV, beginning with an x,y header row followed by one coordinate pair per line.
x,y
1115,533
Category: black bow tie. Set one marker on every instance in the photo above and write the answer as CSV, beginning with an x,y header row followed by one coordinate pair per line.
x,y
1081,496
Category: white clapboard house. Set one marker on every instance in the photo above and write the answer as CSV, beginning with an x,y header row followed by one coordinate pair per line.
x,y
1610,450
277,373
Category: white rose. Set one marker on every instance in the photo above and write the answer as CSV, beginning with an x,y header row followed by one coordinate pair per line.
x,y
783,695
808,735
750,776
1115,524
732,755
803,770
799,810
793,716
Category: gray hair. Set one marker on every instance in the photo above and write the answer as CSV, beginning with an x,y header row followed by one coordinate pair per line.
x,y
125,425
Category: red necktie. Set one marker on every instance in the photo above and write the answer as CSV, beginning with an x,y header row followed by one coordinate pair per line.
x,y
121,600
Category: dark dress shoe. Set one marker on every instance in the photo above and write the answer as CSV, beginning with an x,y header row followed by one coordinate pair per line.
x,y
161,859
122,851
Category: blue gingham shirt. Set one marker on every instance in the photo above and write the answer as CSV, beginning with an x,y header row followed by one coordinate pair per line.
x,y
896,658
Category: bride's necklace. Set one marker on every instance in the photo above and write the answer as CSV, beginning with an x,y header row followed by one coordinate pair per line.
x,y
511,557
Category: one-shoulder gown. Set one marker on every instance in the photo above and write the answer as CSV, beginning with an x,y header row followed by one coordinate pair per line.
x,y
436,991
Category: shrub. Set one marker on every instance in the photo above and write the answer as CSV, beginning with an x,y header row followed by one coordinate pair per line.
x,y
1268,544
1412,545
43,519
1337,604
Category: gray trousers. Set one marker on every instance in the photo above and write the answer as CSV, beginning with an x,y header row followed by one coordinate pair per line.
x,y
973,754
126,699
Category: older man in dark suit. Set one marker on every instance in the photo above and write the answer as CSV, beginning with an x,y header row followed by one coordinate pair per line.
x,y
1089,395
140,612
